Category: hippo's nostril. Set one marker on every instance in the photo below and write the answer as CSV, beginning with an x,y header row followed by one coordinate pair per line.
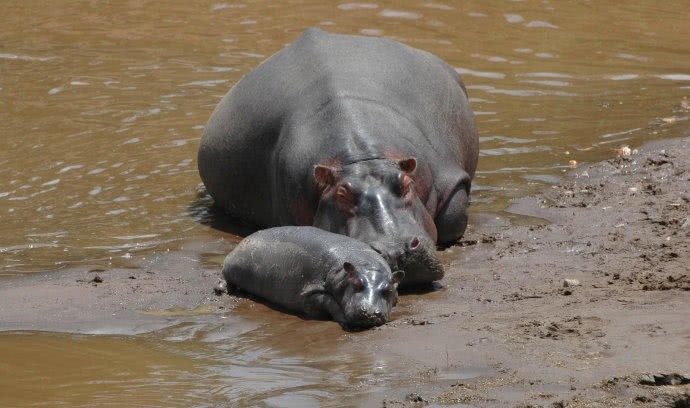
x,y
414,243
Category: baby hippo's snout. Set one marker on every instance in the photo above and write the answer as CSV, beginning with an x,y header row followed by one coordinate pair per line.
x,y
367,317
374,316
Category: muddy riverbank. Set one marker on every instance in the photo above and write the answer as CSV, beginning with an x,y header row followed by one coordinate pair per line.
x,y
572,309
573,312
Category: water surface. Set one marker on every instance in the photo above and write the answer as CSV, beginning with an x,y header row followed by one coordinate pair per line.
x,y
102,106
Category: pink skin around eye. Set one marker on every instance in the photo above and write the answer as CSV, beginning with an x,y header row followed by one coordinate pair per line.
x,y
414,244
357,284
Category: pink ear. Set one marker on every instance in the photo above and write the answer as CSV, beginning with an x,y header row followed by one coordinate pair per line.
x,y
408,165
406,185
324,176
345,199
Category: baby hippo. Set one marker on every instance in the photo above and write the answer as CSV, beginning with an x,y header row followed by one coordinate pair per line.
x,y
316,274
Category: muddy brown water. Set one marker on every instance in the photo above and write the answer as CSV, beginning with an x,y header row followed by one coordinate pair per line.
x,y
102,106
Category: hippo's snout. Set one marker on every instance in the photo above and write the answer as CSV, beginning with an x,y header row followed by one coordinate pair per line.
x,y
367,318
414,255
394,252
376,316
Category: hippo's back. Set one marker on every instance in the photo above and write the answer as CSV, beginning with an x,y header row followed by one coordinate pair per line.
x,y
257,140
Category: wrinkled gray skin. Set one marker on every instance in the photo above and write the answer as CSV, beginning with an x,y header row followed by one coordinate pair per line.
x,y
359,136
316,274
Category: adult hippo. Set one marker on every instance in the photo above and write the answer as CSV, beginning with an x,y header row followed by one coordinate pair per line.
x,y
316,274
360,136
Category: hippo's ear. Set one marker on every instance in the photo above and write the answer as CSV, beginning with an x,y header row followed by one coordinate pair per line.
x,y
397,277
405,186
313,289
345,199
325,176
408,165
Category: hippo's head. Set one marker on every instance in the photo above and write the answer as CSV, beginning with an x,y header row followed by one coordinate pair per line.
x,y
365,293
375,201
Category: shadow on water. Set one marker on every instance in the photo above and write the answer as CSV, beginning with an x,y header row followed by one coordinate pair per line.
x,y
204,211
237,292
420,289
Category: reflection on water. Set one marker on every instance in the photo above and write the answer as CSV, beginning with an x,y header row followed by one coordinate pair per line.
x,y
102,106
286,362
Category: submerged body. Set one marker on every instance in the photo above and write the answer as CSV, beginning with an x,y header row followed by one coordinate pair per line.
x,y
359,136
316,274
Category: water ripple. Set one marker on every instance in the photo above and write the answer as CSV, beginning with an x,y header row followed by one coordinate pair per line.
x,y
27,57
544,75
223,6
624,132
519,92
621,77
502,151
405,15
71,167
438,6
540,24
480,74
675,77
357,6
547,83
514,18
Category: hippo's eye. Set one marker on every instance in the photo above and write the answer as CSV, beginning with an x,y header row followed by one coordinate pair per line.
x,y
388,290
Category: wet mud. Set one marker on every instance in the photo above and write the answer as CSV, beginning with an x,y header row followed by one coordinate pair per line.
x,y
585,306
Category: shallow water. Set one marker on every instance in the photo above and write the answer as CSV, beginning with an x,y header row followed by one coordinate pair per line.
x,y
102,106
184,366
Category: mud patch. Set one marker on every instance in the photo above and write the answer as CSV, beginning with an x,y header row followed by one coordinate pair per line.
x,y
568,313
569,327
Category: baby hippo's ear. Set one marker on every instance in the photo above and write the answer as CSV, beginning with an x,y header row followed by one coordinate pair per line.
x,y
397,277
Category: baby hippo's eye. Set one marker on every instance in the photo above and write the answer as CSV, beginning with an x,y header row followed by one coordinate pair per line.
x,y
357,284
388,290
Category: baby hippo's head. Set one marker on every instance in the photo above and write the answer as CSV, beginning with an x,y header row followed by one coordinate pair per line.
x,y
366,292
